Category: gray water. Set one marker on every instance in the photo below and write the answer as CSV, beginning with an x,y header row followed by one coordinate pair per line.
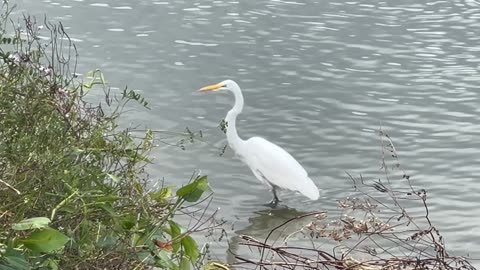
x,y
319,78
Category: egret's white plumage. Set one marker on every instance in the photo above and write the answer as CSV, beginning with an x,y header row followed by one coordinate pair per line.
x,y
270,163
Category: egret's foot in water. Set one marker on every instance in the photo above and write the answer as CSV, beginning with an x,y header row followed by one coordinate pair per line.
x,y
274,202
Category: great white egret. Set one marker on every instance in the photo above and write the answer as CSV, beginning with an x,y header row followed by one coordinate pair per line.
x,y
270,163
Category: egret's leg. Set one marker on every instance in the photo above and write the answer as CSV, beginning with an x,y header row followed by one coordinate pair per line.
x,y
275,199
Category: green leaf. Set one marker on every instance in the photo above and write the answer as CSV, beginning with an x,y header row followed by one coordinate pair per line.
x,y
162,195
31,223
108,242
68,209
148,140
145,257
216,265
108,198
46,240
107,207
51,264
165,261
13,260
191,248
114,178
175,231
184,264
127,222
193,191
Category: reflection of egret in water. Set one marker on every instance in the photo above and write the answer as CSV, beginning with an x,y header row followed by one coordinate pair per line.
x,y
261,225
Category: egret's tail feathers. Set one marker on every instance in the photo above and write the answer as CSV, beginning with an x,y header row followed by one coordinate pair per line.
x,y
309,189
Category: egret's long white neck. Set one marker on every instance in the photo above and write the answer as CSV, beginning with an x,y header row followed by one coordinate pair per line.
x,y
233,139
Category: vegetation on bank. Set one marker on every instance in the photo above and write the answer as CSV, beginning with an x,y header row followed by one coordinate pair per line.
x,y
73,191
72,182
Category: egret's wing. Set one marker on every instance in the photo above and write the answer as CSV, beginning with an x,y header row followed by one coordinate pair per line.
x,y
278,167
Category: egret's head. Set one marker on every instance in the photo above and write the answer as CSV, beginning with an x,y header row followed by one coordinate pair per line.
x,y
225,85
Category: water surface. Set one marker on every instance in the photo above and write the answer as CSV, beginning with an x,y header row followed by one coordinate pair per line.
x,y
319,77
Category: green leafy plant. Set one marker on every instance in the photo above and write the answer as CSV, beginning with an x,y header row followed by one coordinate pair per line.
x,y
72,182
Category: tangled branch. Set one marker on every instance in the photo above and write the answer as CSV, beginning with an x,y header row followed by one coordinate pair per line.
x,y
377,229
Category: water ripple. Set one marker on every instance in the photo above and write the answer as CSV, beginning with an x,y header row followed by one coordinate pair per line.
x,y
319,78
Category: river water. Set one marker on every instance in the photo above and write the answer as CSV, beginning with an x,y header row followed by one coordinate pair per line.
x,y
319,78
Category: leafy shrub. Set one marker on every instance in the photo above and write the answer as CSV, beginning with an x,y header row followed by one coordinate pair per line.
x,y
72,183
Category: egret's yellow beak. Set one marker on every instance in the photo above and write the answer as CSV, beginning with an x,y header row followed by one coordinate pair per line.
x,y
214,87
